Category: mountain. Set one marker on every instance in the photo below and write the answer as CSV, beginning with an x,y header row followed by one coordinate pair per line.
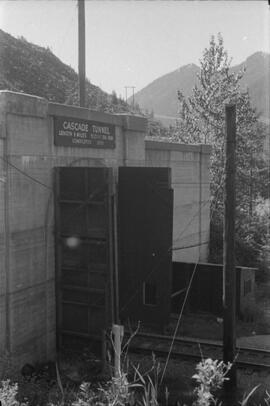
x,y
28,68
160,96
257,80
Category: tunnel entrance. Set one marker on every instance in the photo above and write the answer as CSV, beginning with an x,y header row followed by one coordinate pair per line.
x,y
113,249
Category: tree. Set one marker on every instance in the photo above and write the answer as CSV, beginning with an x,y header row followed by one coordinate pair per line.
x,y
202,120
156,131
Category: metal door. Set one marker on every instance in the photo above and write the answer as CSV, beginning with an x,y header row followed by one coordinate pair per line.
x,y
145,210
83,255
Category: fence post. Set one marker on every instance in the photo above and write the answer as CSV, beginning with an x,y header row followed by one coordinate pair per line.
x,y
118,333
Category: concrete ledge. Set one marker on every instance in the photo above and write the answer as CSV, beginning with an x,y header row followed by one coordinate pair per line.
x,y
174,146
34,106
134,123
127,121
23,104
56,109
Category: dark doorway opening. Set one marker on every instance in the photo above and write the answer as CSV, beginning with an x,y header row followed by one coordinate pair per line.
x,y
90,239
145,210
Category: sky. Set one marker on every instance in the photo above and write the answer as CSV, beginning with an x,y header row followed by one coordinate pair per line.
x,y
132,43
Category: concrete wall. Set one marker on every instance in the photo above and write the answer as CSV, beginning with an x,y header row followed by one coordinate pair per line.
x,y
27,160
27,297
190,182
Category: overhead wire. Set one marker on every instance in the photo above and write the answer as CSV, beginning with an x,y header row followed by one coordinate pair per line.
x,y
162,258
154,268
25,173
49,187
185,299
188,287
172,248
87,201
184,247
165,253
183,306
178,321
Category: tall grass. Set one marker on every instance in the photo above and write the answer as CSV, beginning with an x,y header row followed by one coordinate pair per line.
x,y
132,387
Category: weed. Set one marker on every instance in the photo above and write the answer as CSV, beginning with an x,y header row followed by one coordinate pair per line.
x,y
8,393
210,377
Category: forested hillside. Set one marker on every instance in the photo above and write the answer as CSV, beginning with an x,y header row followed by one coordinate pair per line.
x,y
28,68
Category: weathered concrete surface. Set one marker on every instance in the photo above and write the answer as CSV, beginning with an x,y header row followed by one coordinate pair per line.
x,y
29,156
27,274
190,182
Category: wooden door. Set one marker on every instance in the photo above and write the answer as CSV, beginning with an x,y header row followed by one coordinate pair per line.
x,y
83,255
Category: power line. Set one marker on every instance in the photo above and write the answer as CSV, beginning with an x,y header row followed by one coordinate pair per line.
x,y
190,246
178,320
25,174
130,87
185,299
163,255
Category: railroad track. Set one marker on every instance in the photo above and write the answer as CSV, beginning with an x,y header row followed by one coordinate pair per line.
x,y
191,348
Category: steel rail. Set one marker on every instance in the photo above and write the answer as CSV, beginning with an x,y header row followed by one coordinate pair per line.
x,y
196,349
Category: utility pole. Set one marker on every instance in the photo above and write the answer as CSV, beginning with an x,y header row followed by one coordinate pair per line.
x,y
229,275
133,87
251,188
81,56
133,99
